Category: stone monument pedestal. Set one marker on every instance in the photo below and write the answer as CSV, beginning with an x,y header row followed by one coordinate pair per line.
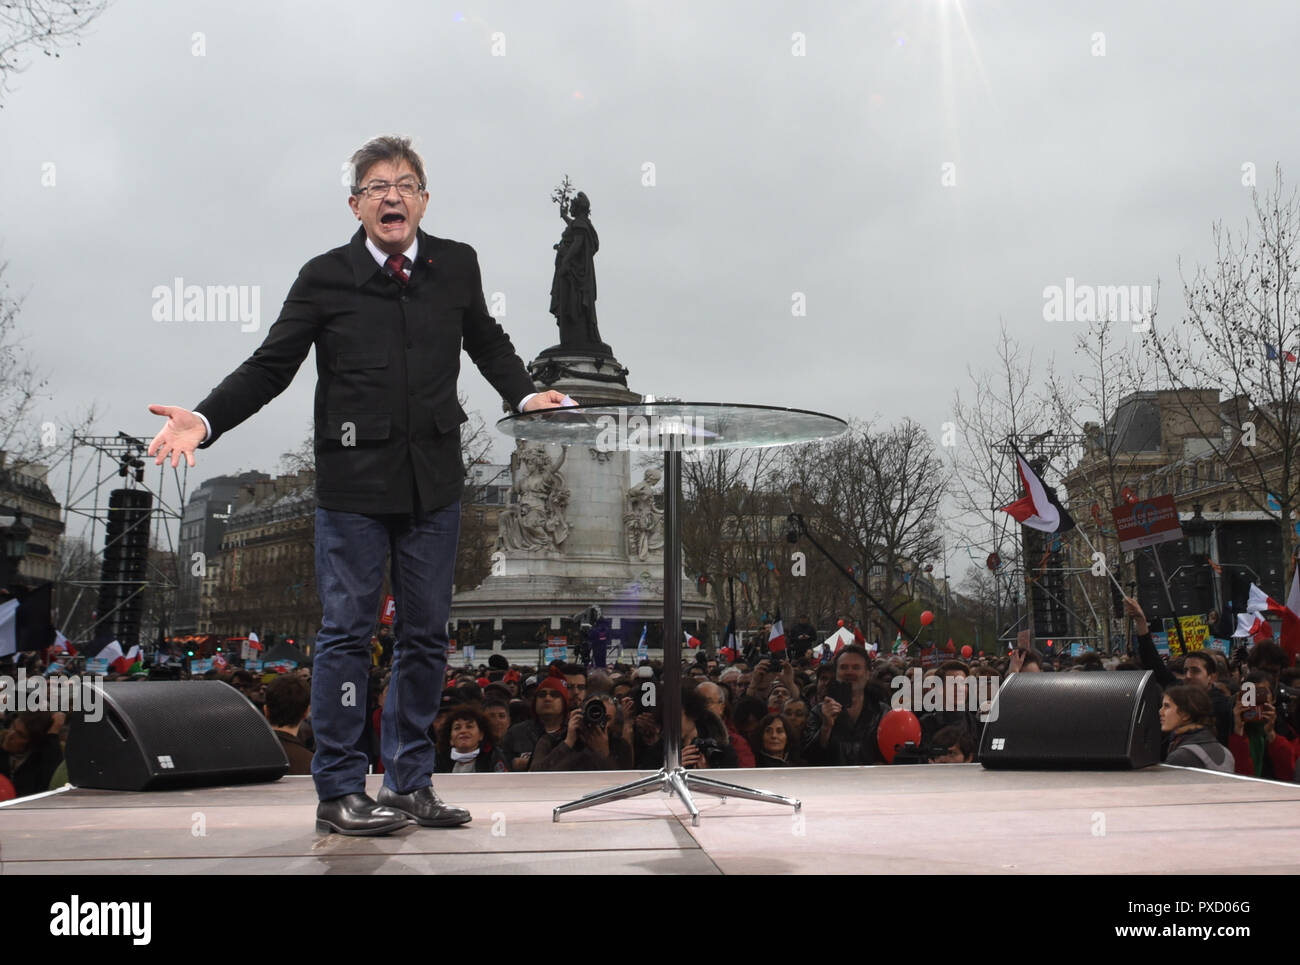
x,y
551,580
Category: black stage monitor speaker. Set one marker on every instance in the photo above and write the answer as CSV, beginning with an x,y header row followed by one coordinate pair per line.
x,y
1074,720
155,735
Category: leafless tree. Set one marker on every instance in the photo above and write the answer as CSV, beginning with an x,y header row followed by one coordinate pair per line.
x,y
26,437
727,527
879,495
45,27
1240,336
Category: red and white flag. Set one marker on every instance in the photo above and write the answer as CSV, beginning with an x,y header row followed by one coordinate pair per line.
x,y
776,639
1261,602
691,642
1254,626
1291,619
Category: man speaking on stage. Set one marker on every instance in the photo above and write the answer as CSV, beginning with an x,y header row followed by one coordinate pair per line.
x,y
388,314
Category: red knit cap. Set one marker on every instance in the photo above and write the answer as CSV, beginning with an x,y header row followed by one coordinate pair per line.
x,y
555,683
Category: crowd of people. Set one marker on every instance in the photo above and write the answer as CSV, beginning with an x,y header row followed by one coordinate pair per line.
x,y
1237,715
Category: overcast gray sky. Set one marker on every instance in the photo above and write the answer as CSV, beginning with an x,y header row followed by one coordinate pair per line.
x,y
775,173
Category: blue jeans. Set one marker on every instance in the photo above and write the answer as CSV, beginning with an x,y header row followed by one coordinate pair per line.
x,y
351,549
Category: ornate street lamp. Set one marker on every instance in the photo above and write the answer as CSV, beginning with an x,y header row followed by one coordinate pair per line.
x,y
1199,532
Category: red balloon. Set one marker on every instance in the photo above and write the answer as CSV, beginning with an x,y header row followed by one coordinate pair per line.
x,y
966,651
927,618
841,623
897,728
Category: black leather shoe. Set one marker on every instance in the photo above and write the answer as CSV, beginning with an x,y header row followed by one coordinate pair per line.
x,y
357,814
425,807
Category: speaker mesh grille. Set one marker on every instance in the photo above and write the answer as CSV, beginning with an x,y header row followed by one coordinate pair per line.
x,y
201,725
1072,719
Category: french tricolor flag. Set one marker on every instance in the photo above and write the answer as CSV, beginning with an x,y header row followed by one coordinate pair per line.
x,y
776,639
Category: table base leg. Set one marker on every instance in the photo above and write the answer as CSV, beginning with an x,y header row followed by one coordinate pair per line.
x,y
680,782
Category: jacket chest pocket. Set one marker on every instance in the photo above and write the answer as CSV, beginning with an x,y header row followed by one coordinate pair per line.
x,y
359,381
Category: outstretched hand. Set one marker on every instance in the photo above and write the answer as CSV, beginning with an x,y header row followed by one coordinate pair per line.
x,y
182,434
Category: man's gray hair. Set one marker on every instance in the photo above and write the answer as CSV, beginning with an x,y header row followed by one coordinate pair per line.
x,y
387,147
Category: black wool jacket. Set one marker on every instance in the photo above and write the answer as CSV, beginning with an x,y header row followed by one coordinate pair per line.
x,y
387,420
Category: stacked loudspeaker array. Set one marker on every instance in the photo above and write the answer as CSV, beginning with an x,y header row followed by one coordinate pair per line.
x,y
126,557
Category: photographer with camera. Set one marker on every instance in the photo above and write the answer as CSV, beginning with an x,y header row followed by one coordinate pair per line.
x,y
705,741
770,672
842,730
957,743
592,741
1262,745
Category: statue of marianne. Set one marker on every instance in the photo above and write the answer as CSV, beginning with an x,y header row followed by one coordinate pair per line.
x,y
573,289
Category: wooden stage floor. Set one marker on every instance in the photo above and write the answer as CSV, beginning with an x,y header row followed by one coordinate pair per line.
x,y
944,819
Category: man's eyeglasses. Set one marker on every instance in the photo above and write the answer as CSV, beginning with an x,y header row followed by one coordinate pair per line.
x,y
378,190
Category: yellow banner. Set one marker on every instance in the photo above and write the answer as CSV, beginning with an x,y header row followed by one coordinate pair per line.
x,y
1195,632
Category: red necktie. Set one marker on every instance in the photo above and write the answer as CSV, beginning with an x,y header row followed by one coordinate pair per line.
x,y
396,265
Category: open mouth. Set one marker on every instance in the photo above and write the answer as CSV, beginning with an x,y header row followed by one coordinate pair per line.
x,y
393,218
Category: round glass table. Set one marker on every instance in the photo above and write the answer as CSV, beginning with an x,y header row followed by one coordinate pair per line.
x,y
672,427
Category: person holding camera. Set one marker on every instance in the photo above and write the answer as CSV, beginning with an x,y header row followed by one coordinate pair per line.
x,y
705,741
957,744
592,741
1256,744
768,673
842,730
